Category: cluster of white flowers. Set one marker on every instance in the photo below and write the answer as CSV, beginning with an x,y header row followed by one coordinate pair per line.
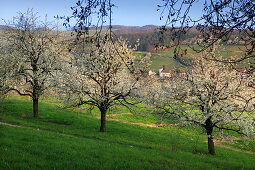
x,y
30,55
101,74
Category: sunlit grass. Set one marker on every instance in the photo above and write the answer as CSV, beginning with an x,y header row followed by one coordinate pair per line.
x,y
63,139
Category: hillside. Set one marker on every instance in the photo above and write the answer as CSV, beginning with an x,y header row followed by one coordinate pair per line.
x,y
62,139
4,28
149,36
120,29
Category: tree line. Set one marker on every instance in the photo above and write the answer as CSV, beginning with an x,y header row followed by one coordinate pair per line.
x,y
149,40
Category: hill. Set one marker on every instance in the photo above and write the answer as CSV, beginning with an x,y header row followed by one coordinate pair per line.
x,y
120,29
61,139
149,36
5,28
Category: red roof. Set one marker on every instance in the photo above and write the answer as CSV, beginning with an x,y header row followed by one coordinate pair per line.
x,y
241,70
165,71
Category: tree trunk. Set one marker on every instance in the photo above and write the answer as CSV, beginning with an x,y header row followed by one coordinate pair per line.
x,y
35,107
209,130
211,145
103,120
36,87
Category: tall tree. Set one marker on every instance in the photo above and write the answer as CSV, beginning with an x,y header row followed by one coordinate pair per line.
x,y
103,74
33,51
211,96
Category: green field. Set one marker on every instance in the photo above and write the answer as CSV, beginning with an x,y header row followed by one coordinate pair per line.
x,y
165,58
62,139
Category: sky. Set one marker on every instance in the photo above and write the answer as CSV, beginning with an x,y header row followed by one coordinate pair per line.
x,y
126,12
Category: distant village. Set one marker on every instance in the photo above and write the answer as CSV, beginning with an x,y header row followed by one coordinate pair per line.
x,y
163,73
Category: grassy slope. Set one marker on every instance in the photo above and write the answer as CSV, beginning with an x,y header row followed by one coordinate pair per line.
x,y
43,145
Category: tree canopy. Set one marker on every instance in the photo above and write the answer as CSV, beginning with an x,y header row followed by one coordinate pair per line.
x,y
31,53
102,74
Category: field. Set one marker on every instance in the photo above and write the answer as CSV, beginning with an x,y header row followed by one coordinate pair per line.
x,y
165,58
67,139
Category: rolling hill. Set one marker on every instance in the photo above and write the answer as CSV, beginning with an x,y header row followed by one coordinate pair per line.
x,y
149,36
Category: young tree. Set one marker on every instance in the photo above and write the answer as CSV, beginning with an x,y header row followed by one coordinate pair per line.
x,y
32,52
103,74
211,96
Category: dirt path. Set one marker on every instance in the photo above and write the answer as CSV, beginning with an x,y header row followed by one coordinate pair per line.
x,y
133,123
120,114
109,117
142,124
8,124
27,127
78,136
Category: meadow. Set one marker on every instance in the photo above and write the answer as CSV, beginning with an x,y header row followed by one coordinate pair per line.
x,y
70,139
166,57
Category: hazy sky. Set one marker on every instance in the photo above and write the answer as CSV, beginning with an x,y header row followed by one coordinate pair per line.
x,y
127,12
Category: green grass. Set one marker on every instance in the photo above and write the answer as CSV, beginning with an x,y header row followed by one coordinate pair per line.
x,y
61,139
169,62
140,54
